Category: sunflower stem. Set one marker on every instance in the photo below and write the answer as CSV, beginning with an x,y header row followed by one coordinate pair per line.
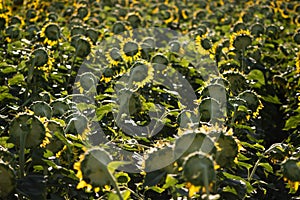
x,y
259,159
29,78
242,60
22,154
71,70
206,184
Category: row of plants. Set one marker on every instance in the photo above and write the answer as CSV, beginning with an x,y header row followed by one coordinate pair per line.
x,y
149,99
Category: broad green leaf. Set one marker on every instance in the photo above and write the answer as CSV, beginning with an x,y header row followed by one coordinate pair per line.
x,y
112,166
235,177
170,181
157,189
85,106
125,195
292,122
230,190
257,76
242,157
267,167
246,165
6,69
271,99
104,110
259,146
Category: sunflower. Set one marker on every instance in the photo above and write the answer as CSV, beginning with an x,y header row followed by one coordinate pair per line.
x,y
130,50
296,19
7,181
203,44
3,21
141,73
113,56
83,46
17,20
41,60
92,168
32,15
51,33
134,19
12,32
240,40
291,172
83,13
108,74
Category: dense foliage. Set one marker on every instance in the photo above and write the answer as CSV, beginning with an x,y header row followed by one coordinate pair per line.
x,y
81,82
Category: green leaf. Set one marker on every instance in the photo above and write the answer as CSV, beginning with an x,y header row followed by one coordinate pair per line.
x,y
246,165
16,79
271,99
242,108
4,143
125,195
157,189
85,106
258,146
230,190
242,157
292,123
234,177
112,166
267,167
104,110
170,181
253,146
257,76
6,69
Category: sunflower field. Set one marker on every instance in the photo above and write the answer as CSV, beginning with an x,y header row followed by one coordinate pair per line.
x,y
149,99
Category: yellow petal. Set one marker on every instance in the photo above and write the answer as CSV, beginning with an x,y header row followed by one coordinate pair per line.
x,y
193,189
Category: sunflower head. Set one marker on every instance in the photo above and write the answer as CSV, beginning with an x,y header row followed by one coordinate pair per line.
x,y
196,166
297,18
93,34
240,40
52,17
175,46
51,33
291,169
160,58
113,56
239,26
272,31
40,57
134,19
31,31
108,74
119,27
3,21
32,15
83,46
296,37
77,30
7,183
141,73
83,13
42,60
12,32
17,20
257,29
130,50
92,169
